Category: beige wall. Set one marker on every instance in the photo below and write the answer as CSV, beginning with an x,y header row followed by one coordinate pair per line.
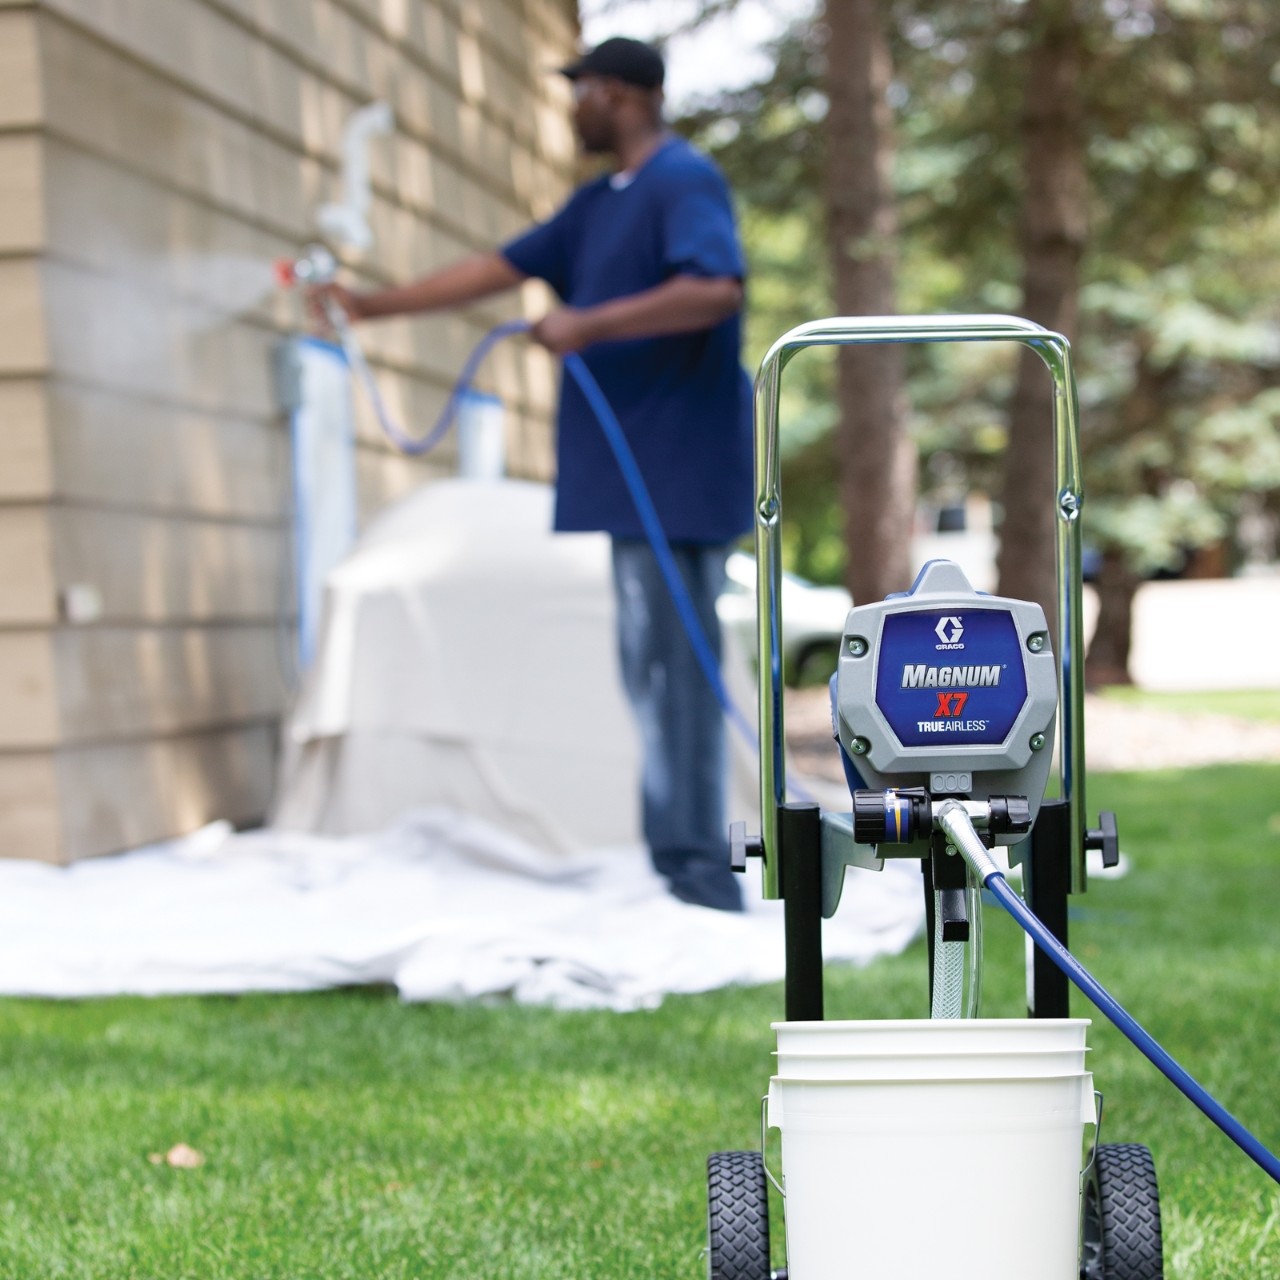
x,y
155,157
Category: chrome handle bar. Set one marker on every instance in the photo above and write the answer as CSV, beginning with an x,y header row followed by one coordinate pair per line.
x,y
1055,351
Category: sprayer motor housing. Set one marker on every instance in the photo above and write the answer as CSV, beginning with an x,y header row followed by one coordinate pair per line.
x,y
950,690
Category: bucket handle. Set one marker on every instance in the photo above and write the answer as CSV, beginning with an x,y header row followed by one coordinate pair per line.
x,y
1084,1173
764,1154
1097,1137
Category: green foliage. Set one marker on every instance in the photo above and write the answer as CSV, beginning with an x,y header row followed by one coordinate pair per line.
x,y
769,140
1179,351
346,1135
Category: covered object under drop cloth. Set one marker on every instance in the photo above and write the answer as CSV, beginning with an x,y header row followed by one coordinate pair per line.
x,y
467,660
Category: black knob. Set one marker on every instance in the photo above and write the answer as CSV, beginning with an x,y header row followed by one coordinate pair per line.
x,y
742,846
1106,836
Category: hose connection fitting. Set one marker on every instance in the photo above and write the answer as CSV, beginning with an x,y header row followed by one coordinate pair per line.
x,y
953,818
903,815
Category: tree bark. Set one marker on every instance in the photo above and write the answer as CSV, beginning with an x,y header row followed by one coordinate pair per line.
x,y
1141,412
1052,235
1108,658
876,460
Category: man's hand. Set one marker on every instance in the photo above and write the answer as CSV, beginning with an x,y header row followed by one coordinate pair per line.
x,y
564,331
683,304
320,296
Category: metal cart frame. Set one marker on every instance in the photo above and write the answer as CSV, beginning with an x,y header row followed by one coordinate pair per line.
x,y
792,834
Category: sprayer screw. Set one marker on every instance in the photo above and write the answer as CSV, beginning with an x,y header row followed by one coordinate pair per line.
x,y
857,646
1037,741
1035,641
859,746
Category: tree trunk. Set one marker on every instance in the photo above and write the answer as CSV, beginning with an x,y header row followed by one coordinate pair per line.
x,y
1052,235
1141,413
877,462
1108,658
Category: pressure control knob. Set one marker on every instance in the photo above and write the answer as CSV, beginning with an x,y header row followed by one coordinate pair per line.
x,y
896,816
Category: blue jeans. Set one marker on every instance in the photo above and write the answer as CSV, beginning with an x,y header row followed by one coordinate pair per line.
x,y
681,723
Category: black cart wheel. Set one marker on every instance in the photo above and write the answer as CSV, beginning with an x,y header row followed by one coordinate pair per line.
x,y
737,1216
1121,1235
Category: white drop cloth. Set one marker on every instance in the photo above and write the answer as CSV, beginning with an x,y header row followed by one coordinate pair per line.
x,y
443,906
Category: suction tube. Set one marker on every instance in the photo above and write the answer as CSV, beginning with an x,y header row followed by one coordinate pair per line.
x,y
952,818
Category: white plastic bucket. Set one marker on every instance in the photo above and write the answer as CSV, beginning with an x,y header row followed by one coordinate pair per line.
x,y
912,1175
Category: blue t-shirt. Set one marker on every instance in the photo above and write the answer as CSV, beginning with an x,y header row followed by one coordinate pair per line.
x,y
684,400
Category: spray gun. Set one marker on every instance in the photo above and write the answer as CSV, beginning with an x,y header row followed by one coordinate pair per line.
x,y
316,266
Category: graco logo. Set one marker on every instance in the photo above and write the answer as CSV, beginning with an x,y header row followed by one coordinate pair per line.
x,y
949,630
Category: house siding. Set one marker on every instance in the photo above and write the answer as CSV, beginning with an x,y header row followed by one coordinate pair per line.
x,y
156,157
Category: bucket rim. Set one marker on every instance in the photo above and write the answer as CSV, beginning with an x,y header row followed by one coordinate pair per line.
x,y
858,1056
918,1024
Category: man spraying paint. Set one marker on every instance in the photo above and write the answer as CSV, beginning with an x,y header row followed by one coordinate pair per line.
x,y
647,264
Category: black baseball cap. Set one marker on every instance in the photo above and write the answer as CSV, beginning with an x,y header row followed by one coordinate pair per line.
x,y
620,58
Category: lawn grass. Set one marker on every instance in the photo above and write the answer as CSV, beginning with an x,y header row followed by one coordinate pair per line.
x,y
347,1135
1243,704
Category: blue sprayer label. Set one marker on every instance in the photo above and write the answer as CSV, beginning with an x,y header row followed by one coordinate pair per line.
x,y
948,679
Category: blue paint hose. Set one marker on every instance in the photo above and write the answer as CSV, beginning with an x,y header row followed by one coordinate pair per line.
x,y
955,822
576,368
415,446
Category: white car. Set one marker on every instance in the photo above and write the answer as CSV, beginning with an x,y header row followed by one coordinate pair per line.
x,y
812,619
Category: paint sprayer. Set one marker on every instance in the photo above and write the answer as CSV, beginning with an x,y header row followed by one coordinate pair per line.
x,y
946,706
